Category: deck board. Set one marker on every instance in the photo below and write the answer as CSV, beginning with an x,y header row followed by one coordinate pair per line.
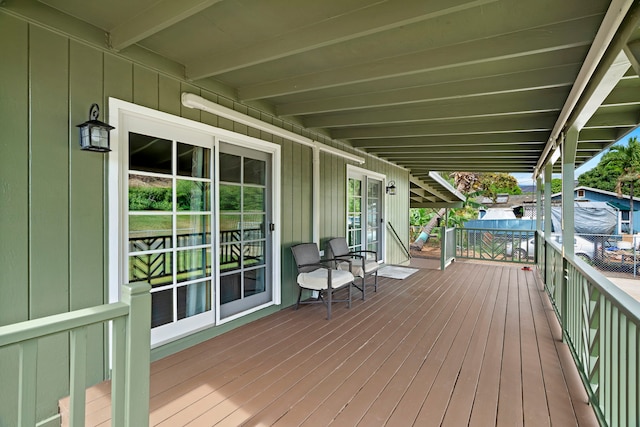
x,y
477,344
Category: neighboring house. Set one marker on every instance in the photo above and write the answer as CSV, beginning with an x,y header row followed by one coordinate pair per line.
x,y
621,204
522,206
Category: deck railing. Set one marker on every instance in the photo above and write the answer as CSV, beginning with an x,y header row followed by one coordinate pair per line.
x,y
601,326
495,244
130,326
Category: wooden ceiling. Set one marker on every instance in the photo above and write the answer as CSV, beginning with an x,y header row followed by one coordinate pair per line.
x,y
467,85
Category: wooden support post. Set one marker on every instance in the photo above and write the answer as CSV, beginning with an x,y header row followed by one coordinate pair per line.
x,y
138,357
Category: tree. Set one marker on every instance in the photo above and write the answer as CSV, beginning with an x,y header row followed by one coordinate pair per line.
x,y
492,184
556,185
465,182
624,161
601,176
471,184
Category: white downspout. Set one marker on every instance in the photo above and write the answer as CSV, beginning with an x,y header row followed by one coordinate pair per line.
x,y
316,196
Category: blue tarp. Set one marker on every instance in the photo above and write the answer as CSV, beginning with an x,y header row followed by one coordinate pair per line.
x,y
502,224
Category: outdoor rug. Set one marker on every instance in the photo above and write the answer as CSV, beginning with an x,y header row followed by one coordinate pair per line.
x,y
396,272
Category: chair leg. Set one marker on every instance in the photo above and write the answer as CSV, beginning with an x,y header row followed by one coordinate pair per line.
x,y
299,296
329,297
364,286
375,282
349,305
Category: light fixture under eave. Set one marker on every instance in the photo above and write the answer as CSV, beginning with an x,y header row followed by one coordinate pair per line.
x,y
391,188
94,134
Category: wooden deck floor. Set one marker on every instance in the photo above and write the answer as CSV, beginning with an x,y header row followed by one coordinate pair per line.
x,y
477,345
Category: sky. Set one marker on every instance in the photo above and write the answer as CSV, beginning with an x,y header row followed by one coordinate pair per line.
x,y
526,179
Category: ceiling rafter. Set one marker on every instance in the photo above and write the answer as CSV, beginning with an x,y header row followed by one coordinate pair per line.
x,y
159,16
450,127
524,81
505,104
468,54
520,138
376,18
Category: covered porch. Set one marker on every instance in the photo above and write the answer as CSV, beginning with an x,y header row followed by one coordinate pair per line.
x,y
477,344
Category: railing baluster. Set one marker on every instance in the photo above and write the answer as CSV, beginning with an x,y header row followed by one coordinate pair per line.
x,y
27,383
78,376
118,360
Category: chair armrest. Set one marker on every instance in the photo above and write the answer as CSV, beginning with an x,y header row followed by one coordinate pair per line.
x,y
340,259
315,264
357,253
324,263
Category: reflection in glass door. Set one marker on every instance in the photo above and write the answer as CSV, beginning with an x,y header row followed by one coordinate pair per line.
x,y
354,214
245,229
170,223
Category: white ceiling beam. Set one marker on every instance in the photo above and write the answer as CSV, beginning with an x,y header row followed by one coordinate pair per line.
x,y
608,33
507,104
379,17
538,122
480,149
632,50
160,15
520,138
613,75
543,39
548,78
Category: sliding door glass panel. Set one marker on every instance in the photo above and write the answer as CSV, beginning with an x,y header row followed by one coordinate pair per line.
x,y
245,214
374,214
170,225
354,214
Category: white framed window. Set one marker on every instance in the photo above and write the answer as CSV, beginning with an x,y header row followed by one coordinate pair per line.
x,y
165,222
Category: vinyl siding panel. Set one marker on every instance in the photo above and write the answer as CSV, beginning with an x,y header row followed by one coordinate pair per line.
x,y
14,167
49,203
54,200
14,199
87,217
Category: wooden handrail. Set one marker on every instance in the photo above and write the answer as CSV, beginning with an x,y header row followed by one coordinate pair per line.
x,y
131,331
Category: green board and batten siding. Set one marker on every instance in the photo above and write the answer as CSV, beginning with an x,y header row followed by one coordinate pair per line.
x,y
53,196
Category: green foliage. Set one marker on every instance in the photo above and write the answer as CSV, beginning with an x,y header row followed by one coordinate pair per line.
x,y
493,184
150,199
556,185
190,196
473,185
620,165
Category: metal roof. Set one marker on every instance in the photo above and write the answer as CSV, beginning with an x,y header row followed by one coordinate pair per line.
x,y
448,85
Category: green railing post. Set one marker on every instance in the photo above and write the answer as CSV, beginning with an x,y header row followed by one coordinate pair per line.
x,y
138,358
443,248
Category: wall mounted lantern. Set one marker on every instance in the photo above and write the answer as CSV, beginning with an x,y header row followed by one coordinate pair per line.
x,y
94,134
391,188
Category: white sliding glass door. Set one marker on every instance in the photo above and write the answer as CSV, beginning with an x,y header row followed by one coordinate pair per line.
x,y
365,220
193,212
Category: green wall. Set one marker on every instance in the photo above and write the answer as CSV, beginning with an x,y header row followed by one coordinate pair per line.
x,y
53,196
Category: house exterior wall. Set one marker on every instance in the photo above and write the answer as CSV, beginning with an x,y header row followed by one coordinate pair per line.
x,y
53,211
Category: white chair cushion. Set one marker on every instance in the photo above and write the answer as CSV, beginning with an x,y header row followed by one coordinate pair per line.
x,y
356,266
317,279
